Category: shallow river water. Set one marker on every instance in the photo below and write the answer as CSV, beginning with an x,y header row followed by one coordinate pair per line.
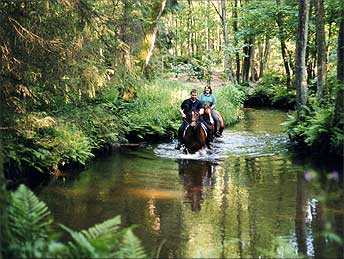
x,y
249,196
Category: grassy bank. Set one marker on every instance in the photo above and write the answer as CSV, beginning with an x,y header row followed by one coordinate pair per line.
x,y
64,134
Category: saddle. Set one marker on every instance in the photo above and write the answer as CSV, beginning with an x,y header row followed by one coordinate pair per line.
x,y
204,127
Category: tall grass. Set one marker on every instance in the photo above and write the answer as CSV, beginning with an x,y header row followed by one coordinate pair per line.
x,y
155,111
229,101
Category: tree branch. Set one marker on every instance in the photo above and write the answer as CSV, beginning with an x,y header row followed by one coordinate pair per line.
x,y
216,10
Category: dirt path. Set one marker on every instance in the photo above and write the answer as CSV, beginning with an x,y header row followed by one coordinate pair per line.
x,y
217,81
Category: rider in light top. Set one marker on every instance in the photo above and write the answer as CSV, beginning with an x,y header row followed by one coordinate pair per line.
x,y
207,97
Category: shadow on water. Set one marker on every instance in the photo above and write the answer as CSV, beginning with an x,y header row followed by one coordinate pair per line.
x,y
247,197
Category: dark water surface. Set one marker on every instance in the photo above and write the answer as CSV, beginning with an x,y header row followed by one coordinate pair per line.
x,y
247,197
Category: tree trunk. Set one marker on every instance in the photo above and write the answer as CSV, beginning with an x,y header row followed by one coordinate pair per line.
x,y
123,26
338,117
264,56
340,50
300,57
235,30
311,51
208,73
3,193
283,44
228,60
189,25
247,59
148,46
321,48
252,61
260,58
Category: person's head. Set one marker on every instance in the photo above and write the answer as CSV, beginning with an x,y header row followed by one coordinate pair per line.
x,y
207,89
193,94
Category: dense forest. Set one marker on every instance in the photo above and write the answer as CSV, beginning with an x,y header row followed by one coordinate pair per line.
x,y
78,76
83,76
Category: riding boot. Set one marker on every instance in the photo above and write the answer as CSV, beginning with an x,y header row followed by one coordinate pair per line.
x,y
218,133
209,140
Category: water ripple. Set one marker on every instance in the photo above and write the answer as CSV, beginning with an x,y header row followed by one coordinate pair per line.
x,y
233,143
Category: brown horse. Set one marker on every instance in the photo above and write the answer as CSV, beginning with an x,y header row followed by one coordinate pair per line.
x,y
209,119
195,134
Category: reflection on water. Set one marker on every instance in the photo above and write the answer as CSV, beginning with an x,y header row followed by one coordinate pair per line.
x,y
196,175
246,197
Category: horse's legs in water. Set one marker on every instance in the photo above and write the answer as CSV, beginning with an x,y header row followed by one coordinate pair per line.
x,y
180,135
202,152
209,131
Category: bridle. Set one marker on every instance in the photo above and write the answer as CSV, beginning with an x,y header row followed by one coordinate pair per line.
x,y
194,119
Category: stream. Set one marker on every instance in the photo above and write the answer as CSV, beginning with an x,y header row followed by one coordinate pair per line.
x,y
251,195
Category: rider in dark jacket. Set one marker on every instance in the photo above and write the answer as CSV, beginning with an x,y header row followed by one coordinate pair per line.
x,y
189,105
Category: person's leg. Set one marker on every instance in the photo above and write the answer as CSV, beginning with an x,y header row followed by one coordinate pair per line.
x,y
216,123
209,132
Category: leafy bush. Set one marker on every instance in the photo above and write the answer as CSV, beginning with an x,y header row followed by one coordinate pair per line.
x,y
191,70
27,231
271,90
43,142
229,101
316,130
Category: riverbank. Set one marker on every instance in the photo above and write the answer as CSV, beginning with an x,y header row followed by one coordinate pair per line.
x,y
68,134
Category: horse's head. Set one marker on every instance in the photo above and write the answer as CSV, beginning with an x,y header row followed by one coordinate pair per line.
x,y
194,119
207,109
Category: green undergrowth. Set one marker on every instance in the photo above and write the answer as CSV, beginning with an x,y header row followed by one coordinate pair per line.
x,y
270,91
68,133
155,111
317,130
229,101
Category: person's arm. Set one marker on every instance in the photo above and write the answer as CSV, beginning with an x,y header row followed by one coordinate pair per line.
x,y
182,112
182,108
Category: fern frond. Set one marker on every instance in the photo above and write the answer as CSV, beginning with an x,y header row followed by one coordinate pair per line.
x,y
81,246
107,228
131,247
29,218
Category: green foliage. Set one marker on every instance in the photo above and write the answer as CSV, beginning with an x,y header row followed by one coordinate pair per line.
x,y
28,226
192,70
28,233
43,143
155,112
315,129
230,99
271,90
62,75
